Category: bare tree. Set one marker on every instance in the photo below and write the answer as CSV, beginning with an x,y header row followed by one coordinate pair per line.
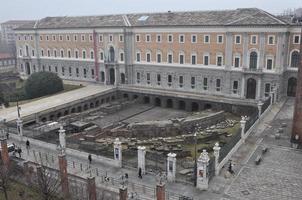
x,y
7,173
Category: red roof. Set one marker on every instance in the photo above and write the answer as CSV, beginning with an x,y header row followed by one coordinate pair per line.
x,y
6,55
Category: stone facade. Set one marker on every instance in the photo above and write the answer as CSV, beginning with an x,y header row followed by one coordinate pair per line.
x,y
240,59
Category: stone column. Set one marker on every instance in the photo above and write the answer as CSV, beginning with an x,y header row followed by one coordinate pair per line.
x,y
105,74
4,152
297,125
160,191
216,150
171,160
242,125
202,171
141,152
116,74
20,129
91,187
64,175
123,193
118,151
260,104
62,139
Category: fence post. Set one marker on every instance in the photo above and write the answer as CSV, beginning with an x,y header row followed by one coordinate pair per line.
x,y
64,175
118,151
91,187
260,104
216,149
171,167
202,171
123,193
141,152
242,125
160,191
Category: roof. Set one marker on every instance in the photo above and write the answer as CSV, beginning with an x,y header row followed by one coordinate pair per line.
x,y
6,56
238,17
17,22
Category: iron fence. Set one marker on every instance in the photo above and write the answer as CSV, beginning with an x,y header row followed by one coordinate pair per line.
x,y
251,120
266,104
211,168
225,149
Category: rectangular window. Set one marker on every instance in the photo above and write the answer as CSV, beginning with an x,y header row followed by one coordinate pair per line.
x,y
170,38
170,58
181,38
205,83
91,55
110,38
67,37
193,59
218,85
271,39
159,58
181,81
269,63
100,38
194,39
235,87
137,38
42,53
75,37
206,39
90,38
70,71
121,38
267,89
41,38
158,38
237,62
31,37
76,54
296,39
138,57
47,37
148,38
237,39
77,72
92,73
85,73
54,38
206,60
253,39
69,54
122,57
158,79
61,38
148,57
193,82
84,54
219,39
33,53
49,68
148,78
101,55
181,59
219,61
83,38
169,80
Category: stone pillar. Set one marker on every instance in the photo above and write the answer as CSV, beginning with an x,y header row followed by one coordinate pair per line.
x,y
297,125
62,139
160,191
64,175
171,167
91,187
272,97
4,152
216,150
260,104
259,86
242,125
118,151
20,128
123,193
141,152
202,171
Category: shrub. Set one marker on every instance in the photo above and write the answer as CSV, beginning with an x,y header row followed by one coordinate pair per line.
x,y
43,83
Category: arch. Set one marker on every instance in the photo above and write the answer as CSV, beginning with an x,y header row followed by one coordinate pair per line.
x,y
253,60
182,105
169,103
27,67
195,107
126,96
79,109
207,106
157,101
85,107
291,87
97,103
102,76
44,119
123,79
66,112
146,100
295,59
251,88
59,115
73,110
112,76
111,54
91,105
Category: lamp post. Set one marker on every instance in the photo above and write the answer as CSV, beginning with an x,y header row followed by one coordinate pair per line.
x,y
195,156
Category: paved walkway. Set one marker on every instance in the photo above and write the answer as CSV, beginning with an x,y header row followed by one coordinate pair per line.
x,y
53,101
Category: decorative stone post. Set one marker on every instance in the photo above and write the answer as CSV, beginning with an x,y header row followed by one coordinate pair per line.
x,y
260,104
118,151
141,152
20,129
91,187
123,193
216,150
171,167
242,125
202,171
62,139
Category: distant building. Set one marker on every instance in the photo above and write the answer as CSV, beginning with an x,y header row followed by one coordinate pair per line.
x,y
236,54
7,62
7,30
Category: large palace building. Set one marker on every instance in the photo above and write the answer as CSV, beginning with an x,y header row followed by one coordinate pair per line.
x,y
238,54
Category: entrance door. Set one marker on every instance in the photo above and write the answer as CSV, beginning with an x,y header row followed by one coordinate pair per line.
x,y
251,89
27,67
291,87
112,76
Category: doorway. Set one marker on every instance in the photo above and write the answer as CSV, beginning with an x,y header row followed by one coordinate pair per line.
x,y
251,88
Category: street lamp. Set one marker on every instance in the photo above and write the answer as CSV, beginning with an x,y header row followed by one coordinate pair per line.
x,y
195,164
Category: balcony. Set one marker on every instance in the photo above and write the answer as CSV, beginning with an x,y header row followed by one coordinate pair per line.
x,y
110,62
252,70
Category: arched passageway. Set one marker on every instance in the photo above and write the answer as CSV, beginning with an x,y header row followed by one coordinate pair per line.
x,y
251,88
291,87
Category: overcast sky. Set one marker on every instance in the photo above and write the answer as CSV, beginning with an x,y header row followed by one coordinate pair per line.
x,y
36,9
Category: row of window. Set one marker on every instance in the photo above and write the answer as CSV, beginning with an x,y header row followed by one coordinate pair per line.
x,y
7,62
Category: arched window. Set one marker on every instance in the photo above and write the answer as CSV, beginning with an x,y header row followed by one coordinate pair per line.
x,y
91,54
84,54
253,60
295,58
111,54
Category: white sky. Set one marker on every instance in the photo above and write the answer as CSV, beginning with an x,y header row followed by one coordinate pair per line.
x,y
36,9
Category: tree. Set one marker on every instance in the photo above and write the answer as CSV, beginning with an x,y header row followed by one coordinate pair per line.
x,y
43,83
6,176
